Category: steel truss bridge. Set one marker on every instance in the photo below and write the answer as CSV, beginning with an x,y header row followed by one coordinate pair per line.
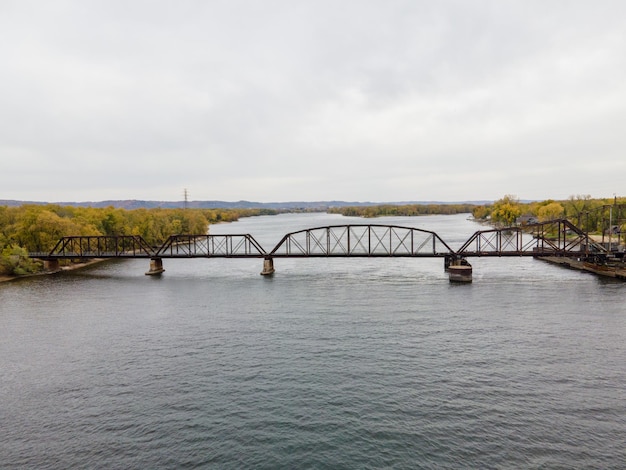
x,y
558,238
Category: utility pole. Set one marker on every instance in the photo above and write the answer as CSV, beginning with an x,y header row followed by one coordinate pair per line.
x,y
610,225
186,194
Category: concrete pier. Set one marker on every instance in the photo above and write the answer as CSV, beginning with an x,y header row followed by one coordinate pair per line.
x,y
51,265
268,267
156,267
460,271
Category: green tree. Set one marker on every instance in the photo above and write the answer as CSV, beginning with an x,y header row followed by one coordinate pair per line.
x,y
40,229
576,206
481,212
14,261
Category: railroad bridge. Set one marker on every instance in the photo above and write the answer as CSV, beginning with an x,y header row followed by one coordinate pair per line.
x,y
556,238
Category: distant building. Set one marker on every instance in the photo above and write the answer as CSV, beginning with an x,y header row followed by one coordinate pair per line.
x,y
526,219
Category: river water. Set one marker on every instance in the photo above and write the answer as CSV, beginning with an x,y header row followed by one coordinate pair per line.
x,y
329,364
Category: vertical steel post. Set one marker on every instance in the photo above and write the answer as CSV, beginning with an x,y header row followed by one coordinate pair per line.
x,y
328,240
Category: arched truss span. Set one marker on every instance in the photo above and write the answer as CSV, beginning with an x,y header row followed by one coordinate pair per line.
x,y
361,241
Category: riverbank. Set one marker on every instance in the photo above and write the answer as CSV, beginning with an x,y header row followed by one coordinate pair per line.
x,y
615,270
71,267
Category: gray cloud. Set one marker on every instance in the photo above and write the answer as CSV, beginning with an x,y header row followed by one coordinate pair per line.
x,y
279,100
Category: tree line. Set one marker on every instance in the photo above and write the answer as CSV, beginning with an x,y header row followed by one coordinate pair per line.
x,y
37,228
386,210
596,216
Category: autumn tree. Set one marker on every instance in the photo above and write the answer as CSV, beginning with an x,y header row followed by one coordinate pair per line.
x,y
551,211
481,212
506,210
14,261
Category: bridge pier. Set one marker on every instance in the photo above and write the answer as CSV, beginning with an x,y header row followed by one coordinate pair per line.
x,y
51,265
156,267
459,270
268,267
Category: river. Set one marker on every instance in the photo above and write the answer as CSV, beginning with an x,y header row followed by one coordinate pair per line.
x,y
328,364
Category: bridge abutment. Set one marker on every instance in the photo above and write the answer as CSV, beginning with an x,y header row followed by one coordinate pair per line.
x,y
156,267
268,267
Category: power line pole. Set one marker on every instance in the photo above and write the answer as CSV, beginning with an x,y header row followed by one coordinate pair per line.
x,y
186,194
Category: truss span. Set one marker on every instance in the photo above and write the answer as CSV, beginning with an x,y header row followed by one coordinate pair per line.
x,y
119,246
361,241
211,246
552,238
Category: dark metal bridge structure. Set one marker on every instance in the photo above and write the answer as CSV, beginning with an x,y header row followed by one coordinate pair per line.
x,y
556,238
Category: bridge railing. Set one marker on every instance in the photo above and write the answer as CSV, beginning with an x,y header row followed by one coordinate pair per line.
x,y
210,246
361,240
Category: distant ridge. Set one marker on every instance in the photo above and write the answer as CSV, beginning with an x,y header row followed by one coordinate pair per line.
x,y
289,205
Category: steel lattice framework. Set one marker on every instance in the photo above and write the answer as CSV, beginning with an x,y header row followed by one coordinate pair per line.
x,y
211,246
553,238
556,237
361,241
119,246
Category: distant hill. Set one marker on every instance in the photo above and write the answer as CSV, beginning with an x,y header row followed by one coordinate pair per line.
x,y
289,205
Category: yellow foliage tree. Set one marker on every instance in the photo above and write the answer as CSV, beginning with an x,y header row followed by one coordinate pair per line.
x,y
551,211
506,210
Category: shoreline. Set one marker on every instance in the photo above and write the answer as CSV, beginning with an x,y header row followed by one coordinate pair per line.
x,y
71,267
612,271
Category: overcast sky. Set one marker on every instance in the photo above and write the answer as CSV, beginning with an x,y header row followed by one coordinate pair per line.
x,y
279,100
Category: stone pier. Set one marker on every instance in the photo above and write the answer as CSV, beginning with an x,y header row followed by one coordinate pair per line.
x,y
459,271
268,267
156,267
51,265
